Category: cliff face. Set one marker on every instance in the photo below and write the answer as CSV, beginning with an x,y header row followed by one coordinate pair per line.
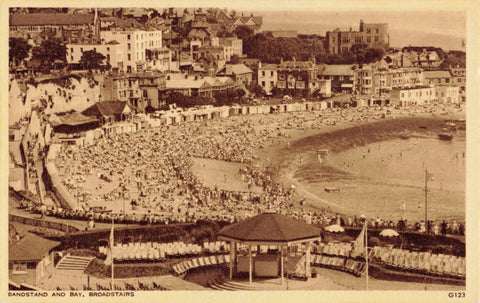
x,y
51,96
64,95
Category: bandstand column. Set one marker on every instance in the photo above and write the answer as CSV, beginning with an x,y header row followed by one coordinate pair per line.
x,y
232,256
250,263
282,261
307,259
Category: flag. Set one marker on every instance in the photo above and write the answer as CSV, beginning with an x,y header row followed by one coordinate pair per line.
x,y
428,176
109,259
359,244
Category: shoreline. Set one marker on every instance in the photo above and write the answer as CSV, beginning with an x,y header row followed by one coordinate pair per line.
x,y
299,150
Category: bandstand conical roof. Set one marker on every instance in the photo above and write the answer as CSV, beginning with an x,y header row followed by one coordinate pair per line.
x,y
270,227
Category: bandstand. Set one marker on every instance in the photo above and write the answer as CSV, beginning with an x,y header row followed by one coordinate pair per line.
x,y
269,229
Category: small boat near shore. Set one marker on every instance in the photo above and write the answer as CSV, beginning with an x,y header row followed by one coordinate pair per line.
x,y
404,136
445,137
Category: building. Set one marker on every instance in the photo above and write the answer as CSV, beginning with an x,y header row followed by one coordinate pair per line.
x,y
109,111
252,22
447,94
296,78
375,81
231,46
412,96
112,50
135,44
370,34
459,78
30,259
442,77
196,85
238,72
267,78
214,55
70,27
139,90
341,76
424,57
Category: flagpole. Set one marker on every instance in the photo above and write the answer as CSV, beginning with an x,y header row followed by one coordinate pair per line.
x,y
366,252
111,254
426,190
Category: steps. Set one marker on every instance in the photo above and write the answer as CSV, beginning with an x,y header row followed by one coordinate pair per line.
x,y
233,286
70,262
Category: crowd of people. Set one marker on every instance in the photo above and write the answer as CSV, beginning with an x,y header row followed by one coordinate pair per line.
x,y
152,172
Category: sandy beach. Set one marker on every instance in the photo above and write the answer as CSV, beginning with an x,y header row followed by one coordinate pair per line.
x,y
364,187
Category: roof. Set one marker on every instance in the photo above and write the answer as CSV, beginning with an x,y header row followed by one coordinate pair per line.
x,y
235,69
73,119
436,74
50,19
296,65
178,81
338,70
270,227
269,67
30,248
106,108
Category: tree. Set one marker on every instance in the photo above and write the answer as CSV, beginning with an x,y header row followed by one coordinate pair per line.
x,y
234,59
92,60
255,89
243,32
49,51
18,50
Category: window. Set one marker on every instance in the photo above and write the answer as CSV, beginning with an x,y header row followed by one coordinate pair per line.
x,y
20,268
128,37
447,80
108,49
131,93
81,49
369,40
271,83
263,73
263,83
376,30
368,31
145,94
129,46
376,38
71,50
71,58
129,57
281,77
271,73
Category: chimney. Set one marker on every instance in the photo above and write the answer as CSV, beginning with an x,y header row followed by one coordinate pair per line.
x,y
361,25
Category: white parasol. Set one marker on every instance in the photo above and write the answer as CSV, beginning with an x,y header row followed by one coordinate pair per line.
x,y
388,233
335,228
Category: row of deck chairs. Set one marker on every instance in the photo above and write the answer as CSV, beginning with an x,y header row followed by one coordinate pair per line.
x,y
186,265
151,250
420,262
216,246
339,263
123,285
333,248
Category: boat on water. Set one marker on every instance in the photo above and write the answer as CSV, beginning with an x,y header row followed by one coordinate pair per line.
x,y
445,137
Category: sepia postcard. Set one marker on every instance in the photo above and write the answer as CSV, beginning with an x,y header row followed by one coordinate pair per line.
x,y
204,151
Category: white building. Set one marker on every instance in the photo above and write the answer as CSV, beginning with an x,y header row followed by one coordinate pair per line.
x,y
231,46
113,52
412,96
267,77
447,94
135,43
